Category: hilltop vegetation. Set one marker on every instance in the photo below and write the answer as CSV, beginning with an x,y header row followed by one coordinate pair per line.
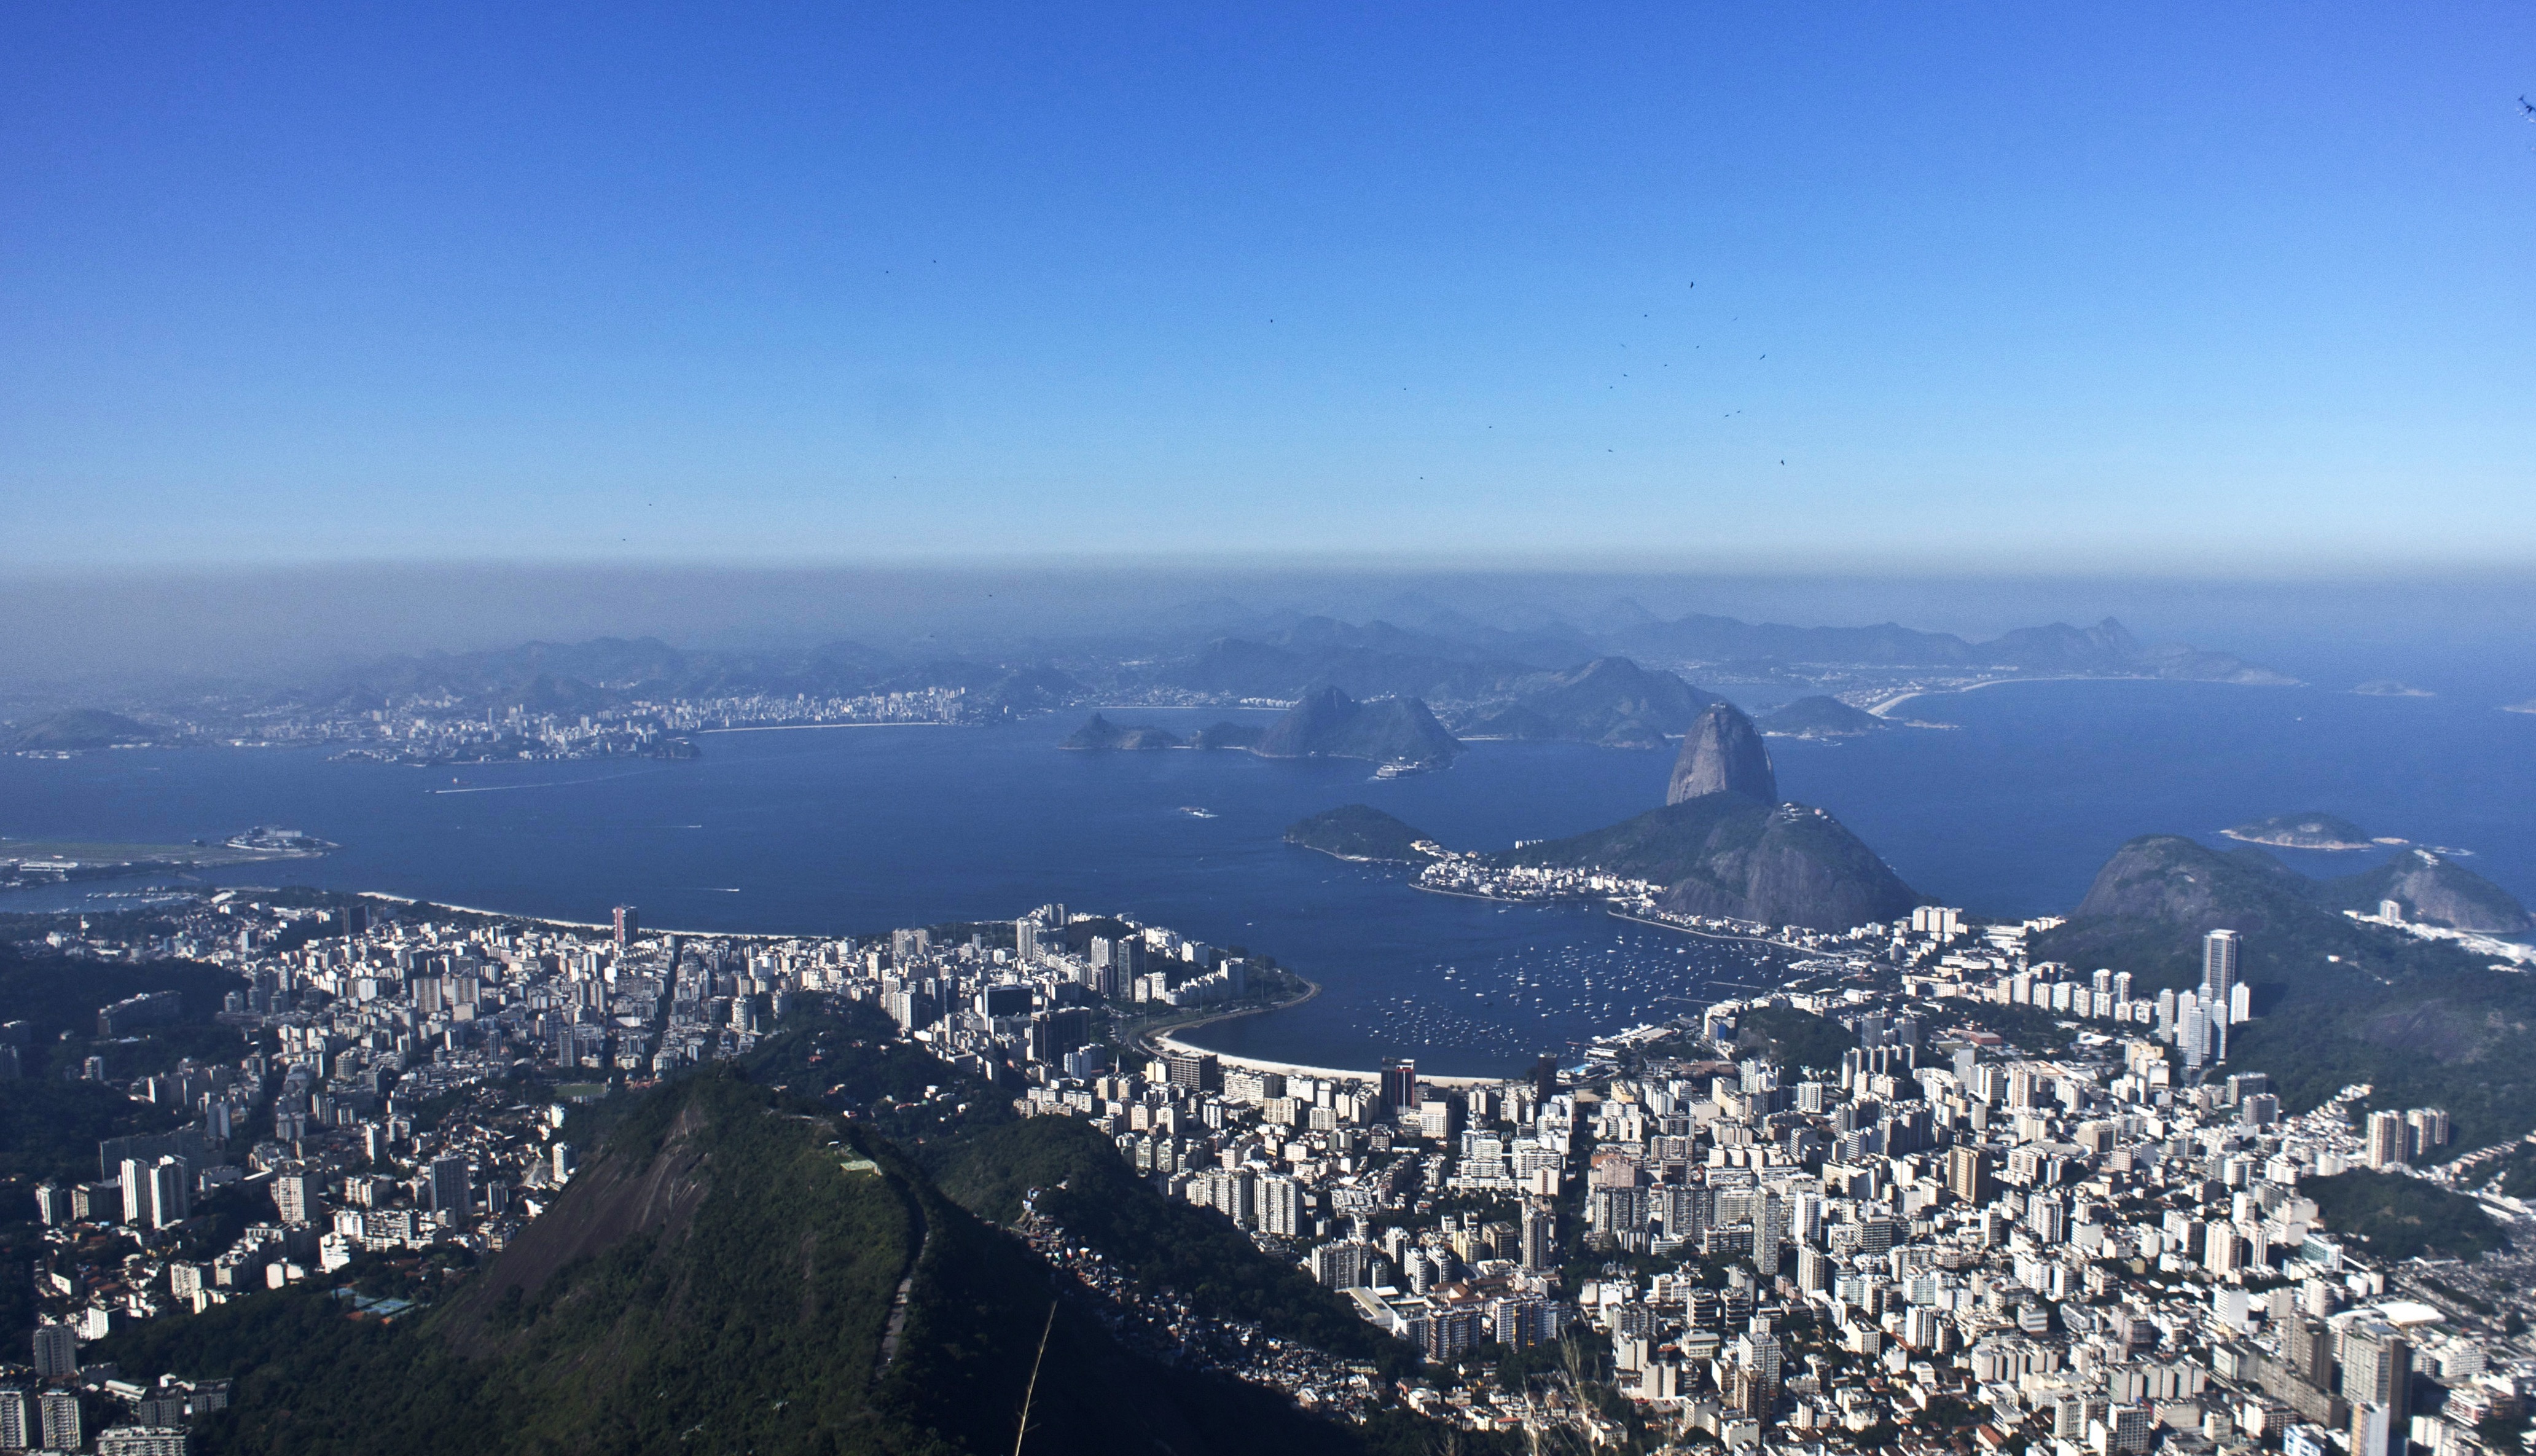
x,y
1087,1188
2402,1218
1100,734
76,728
1797,1040
718,1278
1359,832
2337,1001
2158,894
2309,831
1822,717
1728,855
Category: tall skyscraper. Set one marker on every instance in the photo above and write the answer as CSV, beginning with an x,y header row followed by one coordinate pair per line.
x,y
295,1197
1400,1083
2376,1378
1540,1235
2218,966
451,1188
1281,1207
17,1428
135,1177
2386,1139
1968,1174
628,925
171,1192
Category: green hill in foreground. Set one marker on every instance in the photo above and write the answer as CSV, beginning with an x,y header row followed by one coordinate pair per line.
x,y
721,1279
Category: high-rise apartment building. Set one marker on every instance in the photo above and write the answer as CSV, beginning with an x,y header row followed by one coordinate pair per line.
x,y
295,1197
1968,1174
1540,1235
1399,1083
452,1190
2218,966
2387,1139
61,1415
56,1351
171,1192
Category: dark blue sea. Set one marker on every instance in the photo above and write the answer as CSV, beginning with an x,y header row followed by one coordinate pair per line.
x,y
853,831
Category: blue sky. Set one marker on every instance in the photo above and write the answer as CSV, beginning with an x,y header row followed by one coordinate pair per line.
x,y
2195,288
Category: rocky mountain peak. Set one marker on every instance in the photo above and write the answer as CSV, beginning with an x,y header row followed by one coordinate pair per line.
x,y
1722,754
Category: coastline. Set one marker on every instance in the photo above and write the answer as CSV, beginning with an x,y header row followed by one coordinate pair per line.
x,y
1158,1043
1621,915
2276,841
556,920
1886,708
800,727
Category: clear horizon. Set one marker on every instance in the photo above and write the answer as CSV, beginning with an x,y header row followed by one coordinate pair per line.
x,y
2111,291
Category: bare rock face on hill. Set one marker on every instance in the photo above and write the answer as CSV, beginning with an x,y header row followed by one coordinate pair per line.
x,y
2434,891
1722,754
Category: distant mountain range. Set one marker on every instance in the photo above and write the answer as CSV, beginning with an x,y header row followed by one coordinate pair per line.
x,y
1617,682
1593,687
2104,648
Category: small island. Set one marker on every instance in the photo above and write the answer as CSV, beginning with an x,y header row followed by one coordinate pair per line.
x,y
273,839
1365,834
2311,831
2387,687
59,862
1102,735
1400,733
